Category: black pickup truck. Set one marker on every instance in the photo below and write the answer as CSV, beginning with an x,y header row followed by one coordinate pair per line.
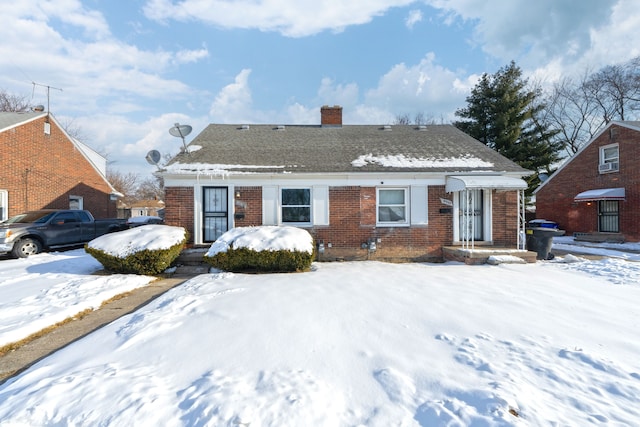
x,y
31,232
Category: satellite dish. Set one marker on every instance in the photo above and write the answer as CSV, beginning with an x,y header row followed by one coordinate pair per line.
x,y
180,131
543,177
153,157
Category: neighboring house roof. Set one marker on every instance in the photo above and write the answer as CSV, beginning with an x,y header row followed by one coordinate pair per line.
x,y
634,125
148,204
13,119
228,149
9,120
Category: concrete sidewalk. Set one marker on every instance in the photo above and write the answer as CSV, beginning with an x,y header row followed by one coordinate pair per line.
x,y
17,361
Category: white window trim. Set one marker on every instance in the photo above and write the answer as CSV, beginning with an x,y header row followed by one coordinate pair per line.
x,y
4,203
407,208
281,206
612,164
80,200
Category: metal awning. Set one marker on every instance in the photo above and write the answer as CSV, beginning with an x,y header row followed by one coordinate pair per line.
x,y
473,182
600,194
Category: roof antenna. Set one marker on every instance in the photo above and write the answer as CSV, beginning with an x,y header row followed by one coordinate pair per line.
x,y
48,89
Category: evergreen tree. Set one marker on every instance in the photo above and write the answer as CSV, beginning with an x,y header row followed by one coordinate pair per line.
x,y
503,112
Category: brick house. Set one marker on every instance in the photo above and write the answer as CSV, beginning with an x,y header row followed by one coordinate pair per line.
x,y
363,192
44,168
595,195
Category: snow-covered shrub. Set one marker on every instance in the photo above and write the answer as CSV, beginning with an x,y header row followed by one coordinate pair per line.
x,y
149,249
262,249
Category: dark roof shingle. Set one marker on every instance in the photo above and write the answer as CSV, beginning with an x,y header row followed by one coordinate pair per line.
x,y
318,149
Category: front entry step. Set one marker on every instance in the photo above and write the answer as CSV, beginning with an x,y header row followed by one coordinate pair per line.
x,y
479,256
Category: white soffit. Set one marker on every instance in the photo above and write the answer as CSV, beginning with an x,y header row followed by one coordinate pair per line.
x,y
478,182
601,194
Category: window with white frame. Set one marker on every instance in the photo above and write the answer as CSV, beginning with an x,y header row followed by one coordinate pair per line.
x,y
296,205
609,158
392,206
4,205
76,202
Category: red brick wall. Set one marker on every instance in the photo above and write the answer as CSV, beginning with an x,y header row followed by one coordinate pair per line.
x,y
179,208
505,218
248,206
555,202
353,222
41,171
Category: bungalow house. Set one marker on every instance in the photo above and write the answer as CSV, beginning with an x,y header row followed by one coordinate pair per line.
x,y
45,168
363,191
595,195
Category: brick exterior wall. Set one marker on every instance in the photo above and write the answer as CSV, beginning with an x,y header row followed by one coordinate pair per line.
x,y
353,222
555,201
505,218
248,206
41,171
179,208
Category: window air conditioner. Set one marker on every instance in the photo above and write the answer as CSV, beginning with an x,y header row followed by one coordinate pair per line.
x,y
608,167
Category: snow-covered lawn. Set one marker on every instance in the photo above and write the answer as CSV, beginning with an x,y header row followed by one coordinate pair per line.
x,y
347,344
39,291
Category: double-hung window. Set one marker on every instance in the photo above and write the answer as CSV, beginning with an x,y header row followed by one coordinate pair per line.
x,y
296,205
392,206
609,158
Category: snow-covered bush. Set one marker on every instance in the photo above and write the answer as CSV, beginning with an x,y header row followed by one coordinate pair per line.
x,y
262,249
149,249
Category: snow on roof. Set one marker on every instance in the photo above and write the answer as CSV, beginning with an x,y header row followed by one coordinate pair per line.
x,y
401,161
215,169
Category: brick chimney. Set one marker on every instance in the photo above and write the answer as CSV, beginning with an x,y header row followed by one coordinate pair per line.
x,y
331,116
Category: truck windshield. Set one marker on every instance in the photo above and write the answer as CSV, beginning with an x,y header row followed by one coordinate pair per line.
x,y
29,217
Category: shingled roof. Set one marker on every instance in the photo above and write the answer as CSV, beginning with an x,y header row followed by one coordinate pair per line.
x,y
10,119
343,149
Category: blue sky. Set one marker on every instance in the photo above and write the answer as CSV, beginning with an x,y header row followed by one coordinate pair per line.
x,y
130,69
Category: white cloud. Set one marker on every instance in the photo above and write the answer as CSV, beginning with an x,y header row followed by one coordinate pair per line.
x,y
293,18
550,38
330,93
423,88
94,69
190,56
233,103
414,17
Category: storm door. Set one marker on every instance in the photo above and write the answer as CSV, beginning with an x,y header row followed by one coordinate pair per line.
x,y
215,212
470,215
608,218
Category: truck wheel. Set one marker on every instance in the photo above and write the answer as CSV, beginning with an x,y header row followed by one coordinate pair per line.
x,y
25,247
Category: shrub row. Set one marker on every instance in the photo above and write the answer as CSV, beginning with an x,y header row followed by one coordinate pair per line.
x,y
247,260
149,262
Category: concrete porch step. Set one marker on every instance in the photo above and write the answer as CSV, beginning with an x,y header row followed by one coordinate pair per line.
x,y
480,255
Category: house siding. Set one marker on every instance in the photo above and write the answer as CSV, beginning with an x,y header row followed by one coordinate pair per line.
x,y
41,171
555,200
352,222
